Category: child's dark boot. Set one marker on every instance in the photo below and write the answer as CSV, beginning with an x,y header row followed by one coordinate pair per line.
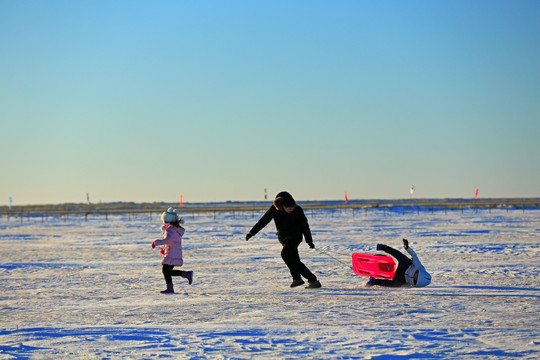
x,y
188,275
169,290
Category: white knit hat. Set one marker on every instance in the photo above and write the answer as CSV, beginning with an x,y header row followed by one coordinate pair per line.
x,y
170,216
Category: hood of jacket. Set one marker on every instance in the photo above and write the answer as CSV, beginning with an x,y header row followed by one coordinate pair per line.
x,y
424,278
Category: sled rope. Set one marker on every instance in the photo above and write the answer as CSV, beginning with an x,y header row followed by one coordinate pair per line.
x,y
333,257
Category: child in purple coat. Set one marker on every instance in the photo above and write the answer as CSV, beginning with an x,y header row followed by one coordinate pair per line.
x,y
172,251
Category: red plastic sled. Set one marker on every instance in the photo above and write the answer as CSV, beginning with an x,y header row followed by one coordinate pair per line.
x,y
377,266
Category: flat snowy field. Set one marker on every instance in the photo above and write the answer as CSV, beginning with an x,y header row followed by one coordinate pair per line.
x,y
72,288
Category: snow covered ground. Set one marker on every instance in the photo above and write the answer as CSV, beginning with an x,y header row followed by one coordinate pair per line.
x,y
71,288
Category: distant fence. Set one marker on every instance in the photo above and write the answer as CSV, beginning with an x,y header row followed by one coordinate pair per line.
x,y
134,210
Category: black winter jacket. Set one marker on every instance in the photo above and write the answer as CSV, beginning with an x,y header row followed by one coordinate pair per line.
x,y
290,227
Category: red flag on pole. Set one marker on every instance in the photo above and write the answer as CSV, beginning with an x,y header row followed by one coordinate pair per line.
x,y
181,200
346,197
476,194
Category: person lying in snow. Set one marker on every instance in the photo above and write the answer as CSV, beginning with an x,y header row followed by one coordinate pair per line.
x,y
291,223
172,251
409,272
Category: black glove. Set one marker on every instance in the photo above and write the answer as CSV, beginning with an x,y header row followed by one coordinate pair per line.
x,y
311,246
380,246
405,244
248,236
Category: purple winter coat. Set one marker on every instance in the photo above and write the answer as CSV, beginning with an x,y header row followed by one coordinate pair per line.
x,y
172,239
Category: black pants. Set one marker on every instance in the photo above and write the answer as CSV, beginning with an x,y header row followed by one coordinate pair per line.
x,y
290,256
168,273
399,277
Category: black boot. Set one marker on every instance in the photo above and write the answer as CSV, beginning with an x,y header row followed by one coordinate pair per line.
x,y
314,285
188,275
297,282
169,290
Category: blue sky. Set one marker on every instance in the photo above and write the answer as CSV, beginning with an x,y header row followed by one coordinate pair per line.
x,y
144,101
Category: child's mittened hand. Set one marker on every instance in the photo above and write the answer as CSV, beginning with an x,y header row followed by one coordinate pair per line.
x,y
405,244
162,251
248,236
154,244
311,245
380,246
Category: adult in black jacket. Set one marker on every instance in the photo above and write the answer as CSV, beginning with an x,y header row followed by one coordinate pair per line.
x,y
291,225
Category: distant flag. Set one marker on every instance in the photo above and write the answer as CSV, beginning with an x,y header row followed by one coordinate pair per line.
x,y
265,194
181,200
476,194
10,202
346,197
412,190
88,197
